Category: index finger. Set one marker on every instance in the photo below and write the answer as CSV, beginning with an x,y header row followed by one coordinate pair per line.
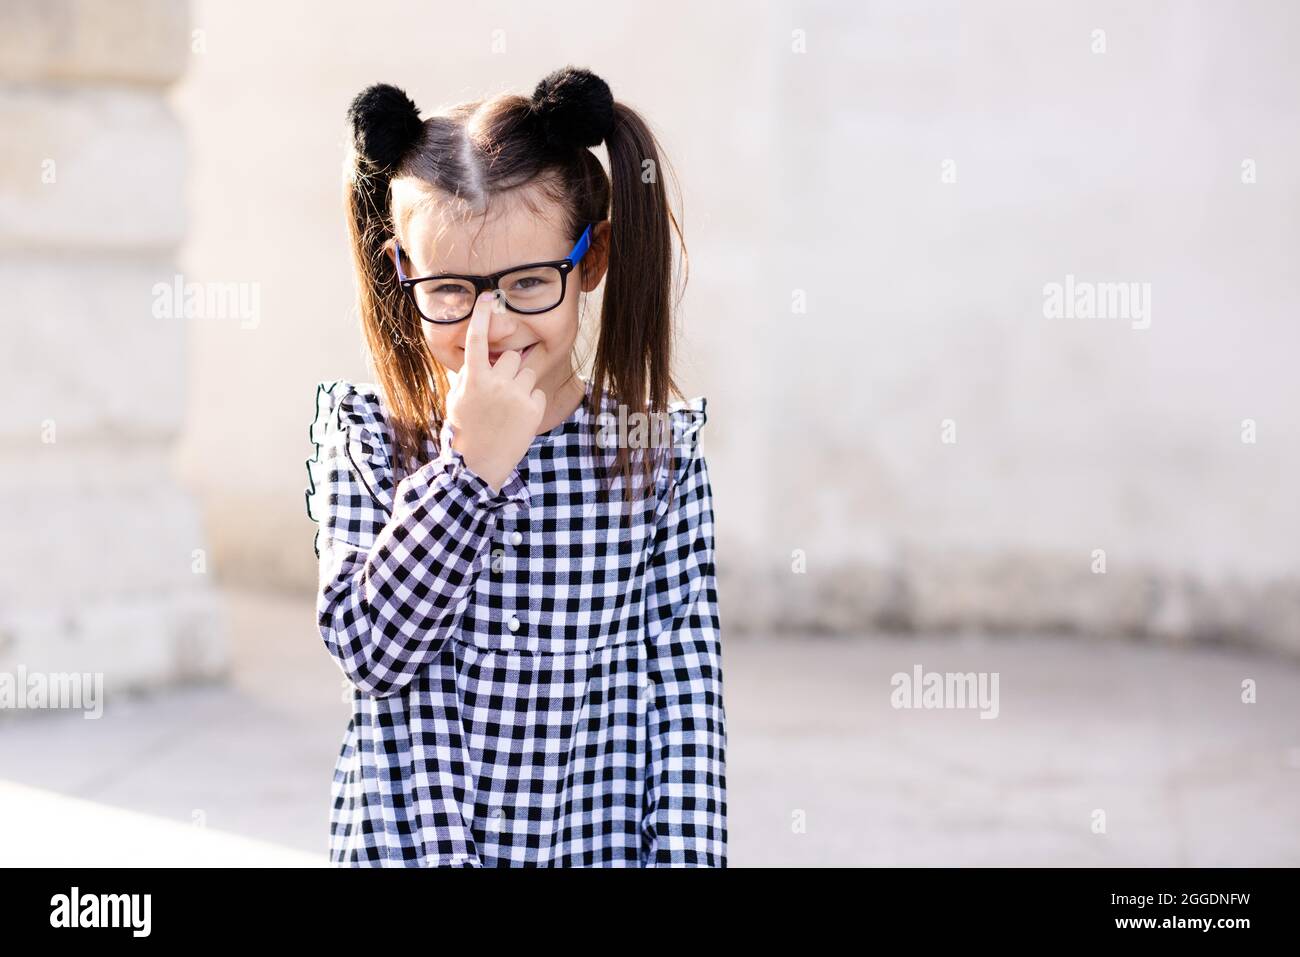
x,y
476,337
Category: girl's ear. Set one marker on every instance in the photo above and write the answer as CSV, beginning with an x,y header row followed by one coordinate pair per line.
x,y
596,262
390,250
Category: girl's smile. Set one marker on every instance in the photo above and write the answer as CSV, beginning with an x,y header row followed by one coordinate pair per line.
x,y
494,356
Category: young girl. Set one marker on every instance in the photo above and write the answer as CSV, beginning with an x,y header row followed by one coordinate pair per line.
x,y
515,579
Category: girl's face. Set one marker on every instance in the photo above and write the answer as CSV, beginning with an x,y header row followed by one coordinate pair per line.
x,y
433,242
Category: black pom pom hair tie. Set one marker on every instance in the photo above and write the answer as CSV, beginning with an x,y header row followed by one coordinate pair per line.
x,y
573,107
385,125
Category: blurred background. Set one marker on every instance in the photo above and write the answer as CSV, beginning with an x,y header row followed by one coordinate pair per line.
x,y
995,308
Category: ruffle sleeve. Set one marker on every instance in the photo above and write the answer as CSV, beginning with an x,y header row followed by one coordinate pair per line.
x,y
687,417
349,493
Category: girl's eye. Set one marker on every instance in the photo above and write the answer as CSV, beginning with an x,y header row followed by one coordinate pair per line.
x,y
527,282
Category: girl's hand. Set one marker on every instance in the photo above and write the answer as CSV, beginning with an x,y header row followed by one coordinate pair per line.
x,y
494,410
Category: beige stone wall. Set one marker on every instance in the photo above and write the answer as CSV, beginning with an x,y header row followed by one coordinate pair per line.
x,y
106,569
876,195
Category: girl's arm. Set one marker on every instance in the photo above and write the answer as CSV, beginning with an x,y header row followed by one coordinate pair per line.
x,y
397,567
685,816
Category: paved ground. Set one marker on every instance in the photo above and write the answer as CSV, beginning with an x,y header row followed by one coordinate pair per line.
x,y
821,768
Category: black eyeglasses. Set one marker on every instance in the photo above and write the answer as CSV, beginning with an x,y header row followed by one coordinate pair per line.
x,y
529,289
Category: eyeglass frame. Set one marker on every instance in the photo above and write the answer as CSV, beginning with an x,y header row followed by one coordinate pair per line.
x,y
489,283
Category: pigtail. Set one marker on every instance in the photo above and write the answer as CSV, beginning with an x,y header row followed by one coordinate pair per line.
x,y
636,323
385,126
574,110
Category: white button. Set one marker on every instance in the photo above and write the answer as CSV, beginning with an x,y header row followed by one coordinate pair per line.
x,y
516,538
496,812
649,691
513,623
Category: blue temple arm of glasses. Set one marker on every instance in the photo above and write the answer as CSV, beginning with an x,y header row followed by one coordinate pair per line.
x,y
580,250
397,259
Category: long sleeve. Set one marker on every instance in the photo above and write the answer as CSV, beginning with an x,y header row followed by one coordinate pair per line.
x,y
685,814
397,565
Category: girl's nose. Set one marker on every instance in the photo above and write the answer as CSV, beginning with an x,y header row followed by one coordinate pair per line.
x,y
502,327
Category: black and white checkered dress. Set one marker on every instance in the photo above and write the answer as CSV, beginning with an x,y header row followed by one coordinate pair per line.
x,y
537,673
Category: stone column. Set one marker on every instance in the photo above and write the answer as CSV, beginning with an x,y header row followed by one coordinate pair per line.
x,y
103,566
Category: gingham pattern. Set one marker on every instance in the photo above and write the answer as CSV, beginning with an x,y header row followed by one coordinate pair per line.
x,y
537,674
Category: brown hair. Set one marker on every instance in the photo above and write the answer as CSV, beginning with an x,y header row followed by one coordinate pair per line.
x,y
476,150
